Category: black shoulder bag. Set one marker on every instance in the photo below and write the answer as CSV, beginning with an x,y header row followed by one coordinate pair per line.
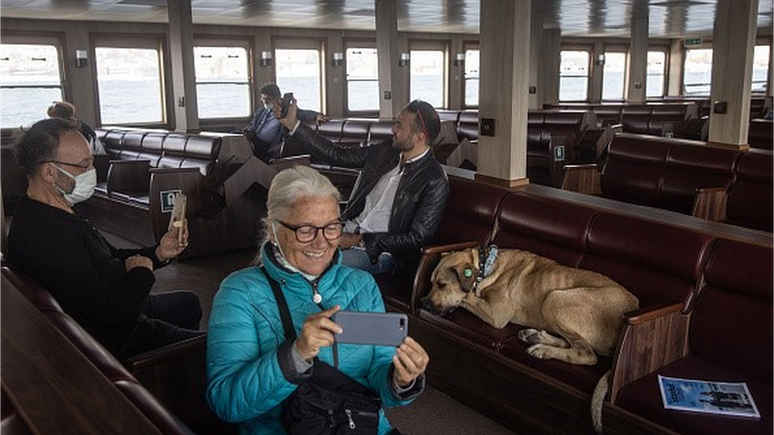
x,y
329,402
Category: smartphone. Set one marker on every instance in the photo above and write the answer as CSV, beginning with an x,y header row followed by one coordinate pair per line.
x,y
287,99
382,329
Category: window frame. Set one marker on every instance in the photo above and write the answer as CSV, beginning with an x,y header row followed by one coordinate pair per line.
x,y
471,46
620,49
135,41
434,45
289,43
210,41
683,89
55,39
589,50
664,75
354,44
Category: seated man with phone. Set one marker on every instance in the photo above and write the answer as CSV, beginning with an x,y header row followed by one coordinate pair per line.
x,y
264,130
298,342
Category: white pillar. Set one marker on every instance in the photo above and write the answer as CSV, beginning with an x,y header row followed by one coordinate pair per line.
x,y
638,52
733,42
392,96
182,61
505,34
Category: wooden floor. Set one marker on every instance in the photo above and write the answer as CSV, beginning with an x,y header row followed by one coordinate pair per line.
x,y
433,413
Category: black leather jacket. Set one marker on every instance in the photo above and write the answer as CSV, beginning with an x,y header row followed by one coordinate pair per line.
x,y
419,201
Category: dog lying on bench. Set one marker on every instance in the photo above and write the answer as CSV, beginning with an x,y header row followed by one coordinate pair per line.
x,y
571,314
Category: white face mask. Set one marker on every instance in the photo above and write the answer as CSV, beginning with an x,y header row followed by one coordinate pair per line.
x,y
269,106
84,185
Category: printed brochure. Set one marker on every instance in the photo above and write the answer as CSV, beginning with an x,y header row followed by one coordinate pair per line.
x,y
724,398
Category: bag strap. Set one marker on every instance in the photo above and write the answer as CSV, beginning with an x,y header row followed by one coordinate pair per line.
x,y
282,304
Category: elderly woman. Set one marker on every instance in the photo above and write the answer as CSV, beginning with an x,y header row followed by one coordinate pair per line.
x,y
251,367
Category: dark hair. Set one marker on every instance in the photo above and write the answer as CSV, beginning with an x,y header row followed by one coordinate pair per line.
x,y
39,144
427,119
271,90
61,109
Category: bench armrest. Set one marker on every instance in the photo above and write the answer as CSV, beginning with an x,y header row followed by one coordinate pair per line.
x,y
651,338
176,375
431,255
128,176
710,203
288,162
582,179
102,165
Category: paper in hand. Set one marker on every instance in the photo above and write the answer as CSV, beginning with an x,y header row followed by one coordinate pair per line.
x,y
177,220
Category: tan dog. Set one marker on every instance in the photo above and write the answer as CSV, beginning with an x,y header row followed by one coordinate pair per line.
x,y
576,314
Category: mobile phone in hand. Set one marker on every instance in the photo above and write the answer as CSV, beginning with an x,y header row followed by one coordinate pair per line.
x,y
382,329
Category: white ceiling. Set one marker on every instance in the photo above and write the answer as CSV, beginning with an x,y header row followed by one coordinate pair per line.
x,y
611,18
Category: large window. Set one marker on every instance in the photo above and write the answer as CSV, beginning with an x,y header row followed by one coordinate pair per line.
x,y
614,76
30,80
362,79
760,68
222,82
129,84
428,74
656,74
472,62
574,75
299,72
697,73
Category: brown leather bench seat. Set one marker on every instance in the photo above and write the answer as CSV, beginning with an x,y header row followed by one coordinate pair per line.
x,y
689,177
661,259
152,397
225,185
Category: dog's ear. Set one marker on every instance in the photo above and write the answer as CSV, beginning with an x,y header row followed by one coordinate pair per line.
x,y
466,275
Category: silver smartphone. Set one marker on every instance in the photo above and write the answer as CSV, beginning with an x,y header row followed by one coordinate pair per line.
x,y
382,329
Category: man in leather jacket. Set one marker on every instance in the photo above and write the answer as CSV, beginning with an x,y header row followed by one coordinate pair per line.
x,y
399,196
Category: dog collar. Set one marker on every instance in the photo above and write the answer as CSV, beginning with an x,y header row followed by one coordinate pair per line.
x,y
486,261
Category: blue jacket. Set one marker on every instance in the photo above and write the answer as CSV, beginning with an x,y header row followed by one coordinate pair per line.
x,y
246,380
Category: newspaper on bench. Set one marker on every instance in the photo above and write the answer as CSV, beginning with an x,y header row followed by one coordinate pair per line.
x,y
725,398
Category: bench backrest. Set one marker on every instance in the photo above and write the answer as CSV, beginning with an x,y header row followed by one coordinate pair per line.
x,y
731,324
664,173
163,149
750,195
656,262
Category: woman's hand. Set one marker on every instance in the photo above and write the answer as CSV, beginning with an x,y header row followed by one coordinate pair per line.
x,y
410,361
174,241
317,333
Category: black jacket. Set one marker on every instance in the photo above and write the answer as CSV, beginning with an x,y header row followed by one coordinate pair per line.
x,y
419,201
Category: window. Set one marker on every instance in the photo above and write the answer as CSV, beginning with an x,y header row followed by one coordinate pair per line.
x,y
129,84
760,69
222,82
299,72
362,79
30,78
428,76
574,75
472,61
697,73
656,74
613,76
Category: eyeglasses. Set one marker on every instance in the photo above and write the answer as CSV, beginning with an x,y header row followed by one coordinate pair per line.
x,y
307,233
76,165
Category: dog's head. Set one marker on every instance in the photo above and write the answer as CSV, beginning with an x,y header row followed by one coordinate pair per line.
x,y
452,280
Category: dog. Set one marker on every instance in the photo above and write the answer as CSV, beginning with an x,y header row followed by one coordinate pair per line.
x,y
571,315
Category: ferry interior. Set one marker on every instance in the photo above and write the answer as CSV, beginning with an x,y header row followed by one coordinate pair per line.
x,y
631,138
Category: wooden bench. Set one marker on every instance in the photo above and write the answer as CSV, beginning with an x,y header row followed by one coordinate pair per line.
x,y
659,256
225,184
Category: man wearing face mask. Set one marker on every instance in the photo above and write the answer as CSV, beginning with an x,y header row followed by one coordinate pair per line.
x,y
265,132
106,290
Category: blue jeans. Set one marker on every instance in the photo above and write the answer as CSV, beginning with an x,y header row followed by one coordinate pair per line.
x,y
357,258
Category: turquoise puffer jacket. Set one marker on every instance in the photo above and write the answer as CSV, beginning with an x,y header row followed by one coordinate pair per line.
x,y
245,382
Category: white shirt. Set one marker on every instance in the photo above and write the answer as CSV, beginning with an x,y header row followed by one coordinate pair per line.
x,y
375,217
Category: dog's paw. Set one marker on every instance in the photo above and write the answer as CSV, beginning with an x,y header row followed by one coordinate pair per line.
x,y
540,351
529,335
